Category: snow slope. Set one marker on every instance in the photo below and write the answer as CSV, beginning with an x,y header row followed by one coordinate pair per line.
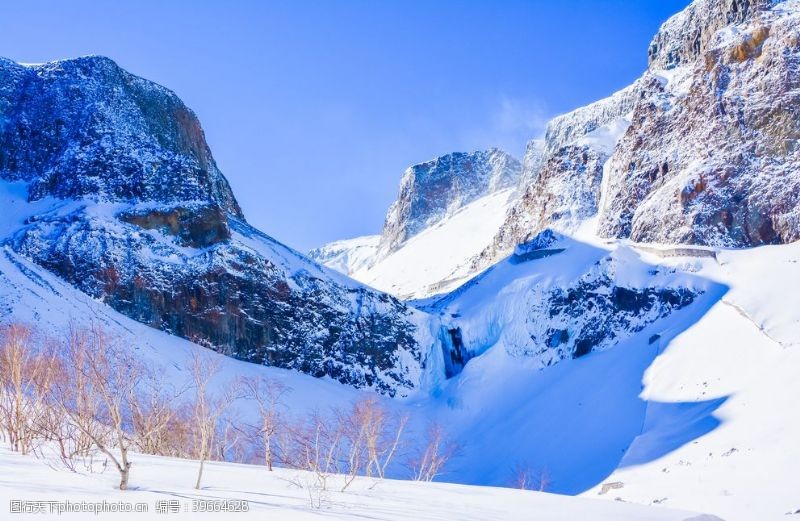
x,y
284,494
28,292
439,258
743,355
349,255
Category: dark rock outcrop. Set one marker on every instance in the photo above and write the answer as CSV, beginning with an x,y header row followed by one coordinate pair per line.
x,y
85,127
197,226
599,312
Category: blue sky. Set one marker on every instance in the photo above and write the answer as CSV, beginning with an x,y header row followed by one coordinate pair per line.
x,y
314,109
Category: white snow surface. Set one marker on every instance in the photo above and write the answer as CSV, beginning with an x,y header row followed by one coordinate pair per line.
x,y
283,495
348,255
606,137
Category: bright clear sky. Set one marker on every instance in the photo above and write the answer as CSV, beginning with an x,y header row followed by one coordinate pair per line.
x,y
313,109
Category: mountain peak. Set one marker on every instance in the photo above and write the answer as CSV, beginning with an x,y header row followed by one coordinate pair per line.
x,y
687,35
84,127
149,226
432,190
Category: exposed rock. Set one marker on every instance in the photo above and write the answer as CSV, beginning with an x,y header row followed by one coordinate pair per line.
x,y
613,485
596,312
85,127
433,190
687,35
197,226
704,153
711,156
566,193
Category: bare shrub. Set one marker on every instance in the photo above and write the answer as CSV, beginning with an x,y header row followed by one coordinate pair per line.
x,y
360,440
526,477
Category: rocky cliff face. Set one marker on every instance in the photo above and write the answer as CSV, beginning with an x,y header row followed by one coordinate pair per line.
x,y
711,156
700,150
566,193
85,127
431,191
561,182
687,35
142,219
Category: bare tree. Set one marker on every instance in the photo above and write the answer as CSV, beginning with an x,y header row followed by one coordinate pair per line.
x,y
232,442
431,459
208,407
157,417
521,477
354,427
27,368
373,435
267,395
383,433
97,393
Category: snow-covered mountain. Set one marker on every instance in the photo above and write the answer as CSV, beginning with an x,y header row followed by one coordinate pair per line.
x,y
116,191
432,191
447,211
687,406
349,255
582,316
699,150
